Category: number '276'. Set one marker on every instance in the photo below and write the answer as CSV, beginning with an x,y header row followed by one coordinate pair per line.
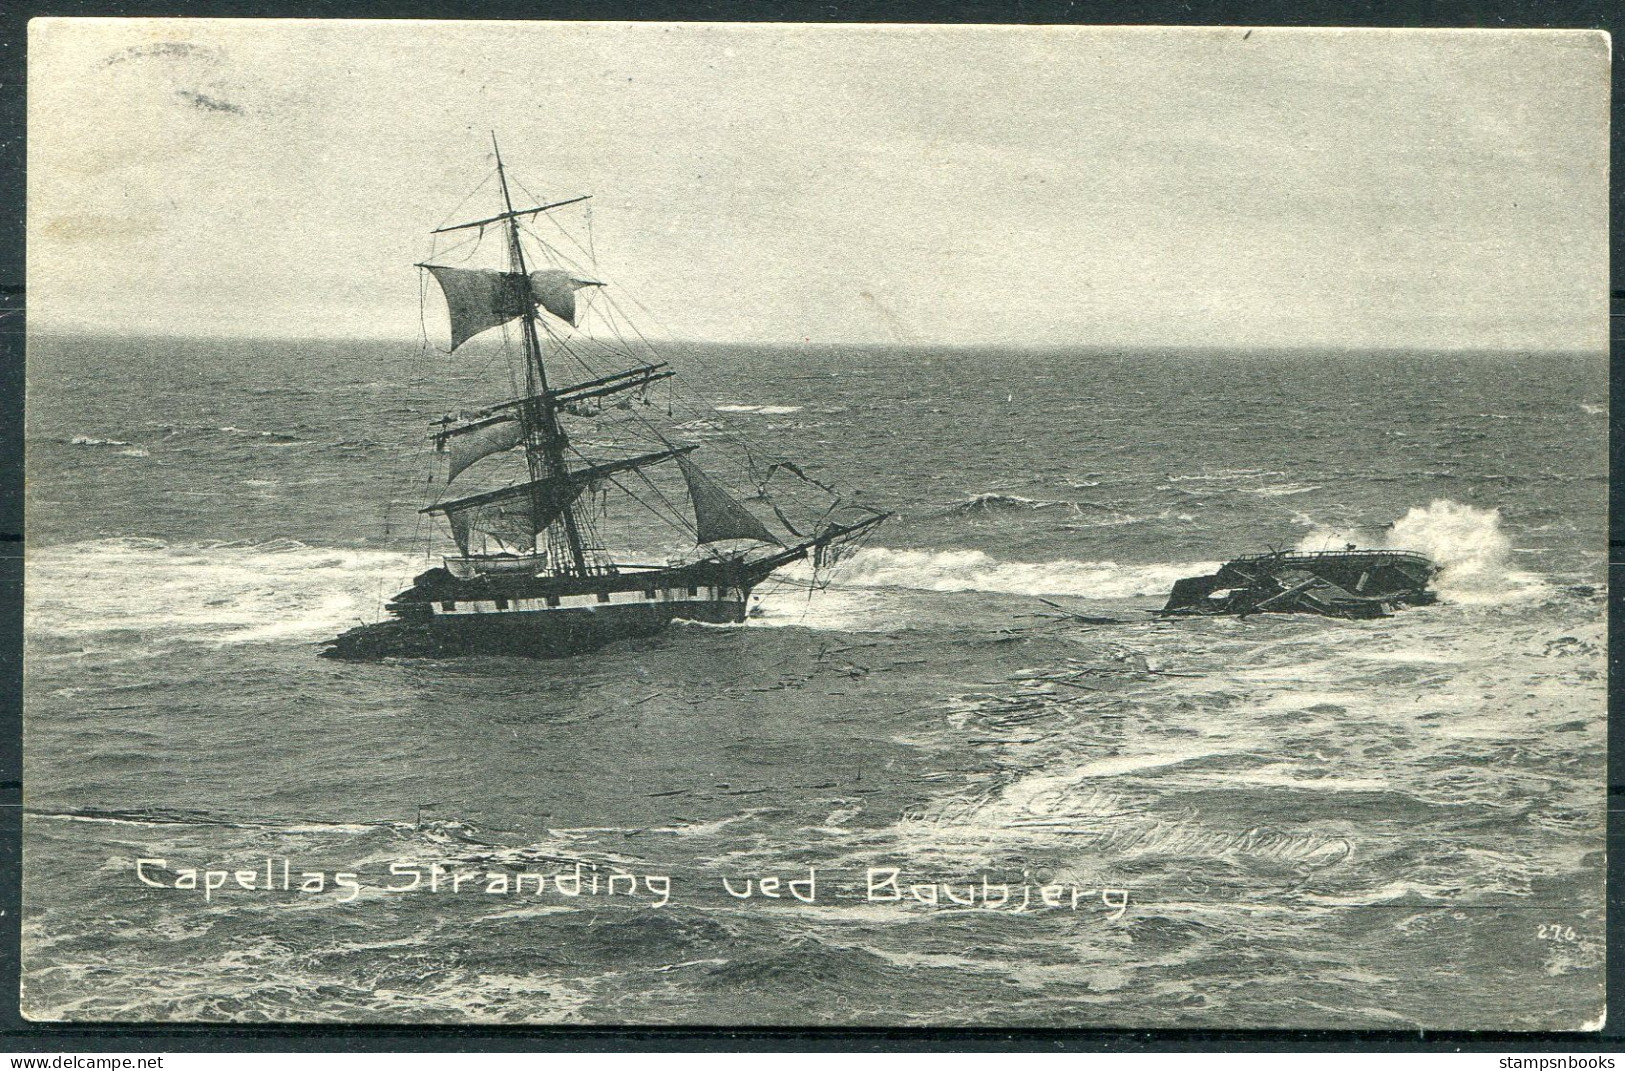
x,y
1555,932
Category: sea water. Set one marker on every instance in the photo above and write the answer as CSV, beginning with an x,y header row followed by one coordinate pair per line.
x,y
918,796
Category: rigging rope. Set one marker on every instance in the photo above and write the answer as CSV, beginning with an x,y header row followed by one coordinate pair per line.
x,y
702,422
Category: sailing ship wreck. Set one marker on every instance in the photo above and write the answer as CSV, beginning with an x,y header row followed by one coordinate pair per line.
x,y
531,575
1353,584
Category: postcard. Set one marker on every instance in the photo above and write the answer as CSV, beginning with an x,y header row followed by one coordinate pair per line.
x,y
815,525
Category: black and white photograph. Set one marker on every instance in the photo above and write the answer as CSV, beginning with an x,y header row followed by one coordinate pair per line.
x,y
751,525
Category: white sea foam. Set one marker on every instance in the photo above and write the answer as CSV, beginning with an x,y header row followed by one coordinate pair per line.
x,y
764,410
283,590
832,608
210,592
1468,543
974,570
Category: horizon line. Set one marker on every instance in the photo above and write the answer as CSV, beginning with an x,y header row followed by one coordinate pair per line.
x,y
788,344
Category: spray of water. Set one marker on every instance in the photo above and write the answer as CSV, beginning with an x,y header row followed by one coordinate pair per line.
x,y
1466,542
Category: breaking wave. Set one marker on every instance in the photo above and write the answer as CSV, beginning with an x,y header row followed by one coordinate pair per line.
x,y
206,592
764,410
284,590
1470,547
124,447
993,502
1466,542
208,431
277,437
973,570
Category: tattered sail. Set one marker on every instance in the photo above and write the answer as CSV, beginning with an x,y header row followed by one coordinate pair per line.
x,y
515,514
717,514
513,520
479,299
467,444
555,291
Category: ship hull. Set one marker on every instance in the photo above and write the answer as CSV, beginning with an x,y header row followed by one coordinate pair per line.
x,y
534,634
443,616
492,606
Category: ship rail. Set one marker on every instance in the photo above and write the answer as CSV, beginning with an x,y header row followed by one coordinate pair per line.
x,y
1321,555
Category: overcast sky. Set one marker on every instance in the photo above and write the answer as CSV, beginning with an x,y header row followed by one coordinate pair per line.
x,y
968,185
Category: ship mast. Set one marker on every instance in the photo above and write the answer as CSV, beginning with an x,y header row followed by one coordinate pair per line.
x,y
544,438
479,299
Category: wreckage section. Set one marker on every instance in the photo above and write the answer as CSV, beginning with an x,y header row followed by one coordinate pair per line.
x,y
1353,584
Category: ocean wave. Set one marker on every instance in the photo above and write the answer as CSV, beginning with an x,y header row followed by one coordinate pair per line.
x,y
973,570
1121,519
1232,481
1112,522
212,592
764,410
994,502
173,431
283,590
269,436
128,449
835,608
1472,551
1226,474
170,816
